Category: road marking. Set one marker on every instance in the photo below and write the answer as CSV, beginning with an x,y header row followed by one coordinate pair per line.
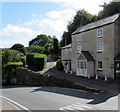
x,y
75,108
13,102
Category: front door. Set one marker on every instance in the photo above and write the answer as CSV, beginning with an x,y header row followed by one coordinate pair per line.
x,y
82,68
117,69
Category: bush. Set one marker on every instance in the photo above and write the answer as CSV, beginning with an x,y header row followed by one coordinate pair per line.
x,y
12,65
9,55
39,63
37,55
30,59
59,65
36,59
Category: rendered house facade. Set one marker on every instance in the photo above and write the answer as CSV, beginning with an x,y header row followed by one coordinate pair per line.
x,y
95,49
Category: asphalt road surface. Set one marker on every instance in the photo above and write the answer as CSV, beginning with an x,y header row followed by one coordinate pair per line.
x,y
53,98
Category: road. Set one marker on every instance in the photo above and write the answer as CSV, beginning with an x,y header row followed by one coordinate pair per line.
x,y
53,98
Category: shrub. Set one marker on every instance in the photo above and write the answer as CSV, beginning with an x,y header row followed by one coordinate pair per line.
x,y
30,59
12,65
59,65
37,55
39,63
9,55
36,59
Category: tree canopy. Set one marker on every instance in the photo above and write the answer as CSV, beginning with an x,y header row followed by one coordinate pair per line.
x,y
18,47
41,40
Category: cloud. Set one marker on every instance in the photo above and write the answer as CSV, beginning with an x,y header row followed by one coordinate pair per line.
x,y
17,35
64,14
11,30
8,44
54,23
92,6
33,15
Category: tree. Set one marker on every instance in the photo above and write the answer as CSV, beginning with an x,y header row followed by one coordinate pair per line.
x,y
81,18
40,49
18,47
9,55
109,9
40,40
55,45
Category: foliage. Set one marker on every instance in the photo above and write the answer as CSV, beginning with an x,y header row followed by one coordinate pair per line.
x,y
37,60
12,65
19,47
37,55
39,63
41,40
8,71
40,49
109,9
9,55
81,18
59,65
30,59
56,47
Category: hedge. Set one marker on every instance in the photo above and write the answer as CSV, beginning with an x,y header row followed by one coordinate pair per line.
x,y
36,59
12,65
30,59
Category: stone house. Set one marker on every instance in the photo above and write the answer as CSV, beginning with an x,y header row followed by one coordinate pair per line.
x,y
95,49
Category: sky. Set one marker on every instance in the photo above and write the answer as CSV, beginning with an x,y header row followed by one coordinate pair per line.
x,y
21,21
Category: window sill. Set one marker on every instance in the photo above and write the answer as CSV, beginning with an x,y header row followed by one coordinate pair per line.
x,y
99,51
99,37
99,69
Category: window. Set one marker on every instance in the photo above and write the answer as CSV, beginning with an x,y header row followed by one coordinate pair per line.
x,y
100,46
70,50
100,65
66,51
79,49
100,32
79,37
82,64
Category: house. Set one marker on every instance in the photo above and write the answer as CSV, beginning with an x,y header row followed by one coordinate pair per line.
x,y
95,49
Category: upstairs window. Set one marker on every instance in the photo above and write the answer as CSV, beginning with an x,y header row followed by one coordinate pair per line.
x,y
79,37
99,46
66,51
70,50
79,49
100,33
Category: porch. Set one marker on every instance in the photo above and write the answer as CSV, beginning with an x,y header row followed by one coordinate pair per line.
x,y
85,65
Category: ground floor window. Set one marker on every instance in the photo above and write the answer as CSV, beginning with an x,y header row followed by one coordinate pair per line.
x,y
100,65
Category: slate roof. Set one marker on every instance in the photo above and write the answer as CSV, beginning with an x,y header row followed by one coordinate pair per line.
x,y
87,55
67,46
98,23
117,57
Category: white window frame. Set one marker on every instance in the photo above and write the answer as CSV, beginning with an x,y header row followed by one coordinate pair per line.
x,y
100,47
100,33
79,49
98,66
79,37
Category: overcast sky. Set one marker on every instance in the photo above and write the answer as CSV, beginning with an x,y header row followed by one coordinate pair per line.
x,y
23,21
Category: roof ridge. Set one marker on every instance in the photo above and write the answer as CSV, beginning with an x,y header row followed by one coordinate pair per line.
x,y
113,19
